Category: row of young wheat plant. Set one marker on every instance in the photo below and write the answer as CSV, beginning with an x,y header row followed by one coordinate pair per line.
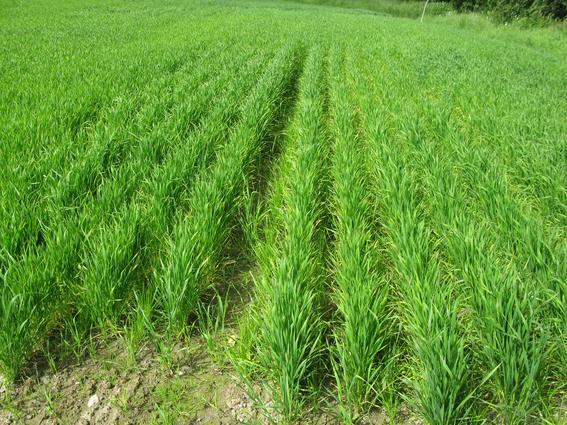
x,y
198,238
38,287
427,307
287,339
362,330
105,282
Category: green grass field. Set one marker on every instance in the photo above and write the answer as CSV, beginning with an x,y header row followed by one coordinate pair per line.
x,y
380,204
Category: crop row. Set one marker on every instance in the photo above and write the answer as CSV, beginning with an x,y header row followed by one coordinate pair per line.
x,y
436,266
89,252
410,246
288,329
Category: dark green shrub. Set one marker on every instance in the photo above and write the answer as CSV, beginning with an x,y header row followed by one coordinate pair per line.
x,y
509,10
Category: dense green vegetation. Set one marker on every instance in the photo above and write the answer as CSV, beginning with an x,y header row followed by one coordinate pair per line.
x,y
405,8
509,10
534,12
396,190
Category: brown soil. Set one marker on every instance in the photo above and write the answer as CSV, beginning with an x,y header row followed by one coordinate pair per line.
x,y
106,390
110,389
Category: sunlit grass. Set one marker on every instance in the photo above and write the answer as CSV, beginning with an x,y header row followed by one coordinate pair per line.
x,y
391,193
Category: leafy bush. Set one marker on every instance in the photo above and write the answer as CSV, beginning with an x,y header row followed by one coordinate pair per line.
x,y
508,10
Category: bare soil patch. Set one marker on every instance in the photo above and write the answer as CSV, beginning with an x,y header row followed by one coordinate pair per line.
x,y
108,389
